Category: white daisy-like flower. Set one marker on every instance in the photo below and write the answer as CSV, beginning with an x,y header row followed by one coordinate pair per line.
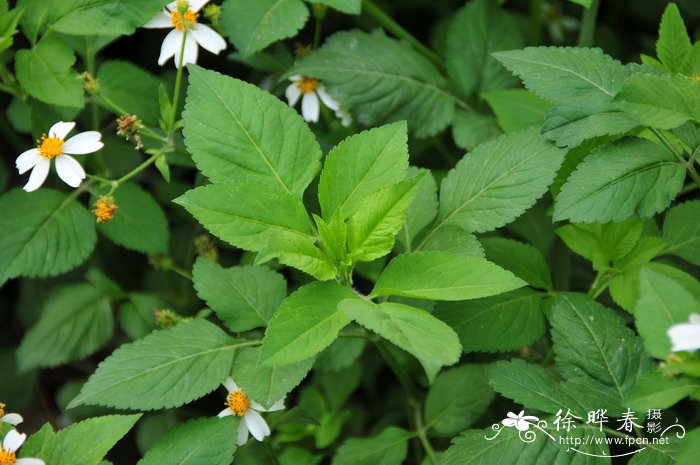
x,y
12,418
521,421
182,16
69,170
344,116
685,336
8,450
310,90
237,403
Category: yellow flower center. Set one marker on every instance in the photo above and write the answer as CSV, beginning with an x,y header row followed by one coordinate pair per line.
x,y
238,403
7,457
184,21
307,85
104,209
2,409
49,147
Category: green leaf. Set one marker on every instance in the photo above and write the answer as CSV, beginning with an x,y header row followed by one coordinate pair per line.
x,y
202,441
673,46
478,30
502,323
137,317
351,7
243,297
305,324
128,89
386,448
416,331
232,129
471,128
45,73
602,243
247,213
656,390
253,26
382,80
631,178
663,102
300,253
264,384
452,239
103,17
682,232
662,303
422,211
498,181
443,276
360,165
457,398
524,260
373,227
517,109
82,443
76,322
57,236
139,222
165,369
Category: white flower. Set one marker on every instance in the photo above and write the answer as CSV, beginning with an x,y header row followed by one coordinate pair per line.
x,y
685,336
12,418
311,90
238,404
520,421
39,159
344,116
8,451
182,17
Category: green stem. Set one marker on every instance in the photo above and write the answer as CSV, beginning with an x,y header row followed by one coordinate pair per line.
x,y
317,32
178,84
536,21
588,22
689,166
182,272
392,26
9,90
135,171
689,188
600,284
694,155
271,452
396,368
422,435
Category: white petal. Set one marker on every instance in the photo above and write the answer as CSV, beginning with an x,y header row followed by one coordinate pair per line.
x,y
172,6
522,425
27,160
171,44
684,337
69,170
255,406
30,462
38,176
310,107
12,418
208,38
225,413
85,142
13,440
292,93
509,422
230,385
190,55
694,319
279,405
327,99
242,433
295,77
162,19
256,424
196,5
60,130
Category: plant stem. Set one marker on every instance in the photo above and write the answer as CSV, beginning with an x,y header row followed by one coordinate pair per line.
x,y
182,272
392,26
588,22
536,21
422,436
135,171
600,283
270,451
396,368
317,31
178,84
687,163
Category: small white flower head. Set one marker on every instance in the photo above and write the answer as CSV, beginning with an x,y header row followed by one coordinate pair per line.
x,y
182,17
237,403
12,418
8,450
310,90
685,336
53,146
521,421
344,116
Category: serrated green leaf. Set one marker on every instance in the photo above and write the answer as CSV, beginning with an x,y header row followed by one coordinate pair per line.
x,y
631,178
451,239
233,130
128,89
682,231
351,7
247,213
471,128
76,322
505,322
253,26
44,233
602,243
656,390
422,211
517,109
137,317
673,46
306,323
362,164
386,448
382,80
45,73
103,17
300,253
457,398
264,384
165,369
416,331
202,441
524,260
243,297
443,276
